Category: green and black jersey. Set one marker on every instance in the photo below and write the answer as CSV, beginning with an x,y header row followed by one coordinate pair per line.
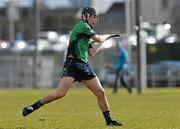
x,y
79,40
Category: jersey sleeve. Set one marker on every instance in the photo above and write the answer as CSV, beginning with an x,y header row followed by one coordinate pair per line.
x,y
88,31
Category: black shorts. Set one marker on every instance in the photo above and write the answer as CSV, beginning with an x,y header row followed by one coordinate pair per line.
x,y
78,69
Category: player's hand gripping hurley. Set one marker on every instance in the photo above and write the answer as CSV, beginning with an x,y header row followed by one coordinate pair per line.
x,y
111,36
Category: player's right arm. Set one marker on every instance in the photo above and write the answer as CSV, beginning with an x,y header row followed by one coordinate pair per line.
x,y
99,39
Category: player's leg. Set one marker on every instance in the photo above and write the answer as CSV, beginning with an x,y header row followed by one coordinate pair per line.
x,y
95,86
64,84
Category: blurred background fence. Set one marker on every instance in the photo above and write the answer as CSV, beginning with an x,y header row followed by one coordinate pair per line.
x,y
17,68
34,38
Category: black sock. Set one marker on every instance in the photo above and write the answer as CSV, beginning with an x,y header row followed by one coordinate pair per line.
x,y
107,116
37,104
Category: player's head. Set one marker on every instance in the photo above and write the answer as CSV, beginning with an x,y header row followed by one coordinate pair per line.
x,y
89,14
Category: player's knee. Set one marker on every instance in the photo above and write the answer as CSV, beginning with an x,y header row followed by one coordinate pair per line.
x,y
60,94
100,93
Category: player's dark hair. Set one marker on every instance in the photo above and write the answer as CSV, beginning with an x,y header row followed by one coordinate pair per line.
x,y
88,10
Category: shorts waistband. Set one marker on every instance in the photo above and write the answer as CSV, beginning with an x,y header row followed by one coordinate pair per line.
x,y
75,59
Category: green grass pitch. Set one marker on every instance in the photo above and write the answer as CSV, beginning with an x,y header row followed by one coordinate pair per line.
x,y
154,109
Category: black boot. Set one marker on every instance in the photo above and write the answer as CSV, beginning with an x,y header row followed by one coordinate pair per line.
x,y
29,109
114,123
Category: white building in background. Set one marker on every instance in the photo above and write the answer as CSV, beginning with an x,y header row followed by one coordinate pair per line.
x,y
102,6
151,10
156,10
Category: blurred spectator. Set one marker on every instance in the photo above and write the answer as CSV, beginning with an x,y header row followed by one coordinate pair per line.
x,y
19,36
120,65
